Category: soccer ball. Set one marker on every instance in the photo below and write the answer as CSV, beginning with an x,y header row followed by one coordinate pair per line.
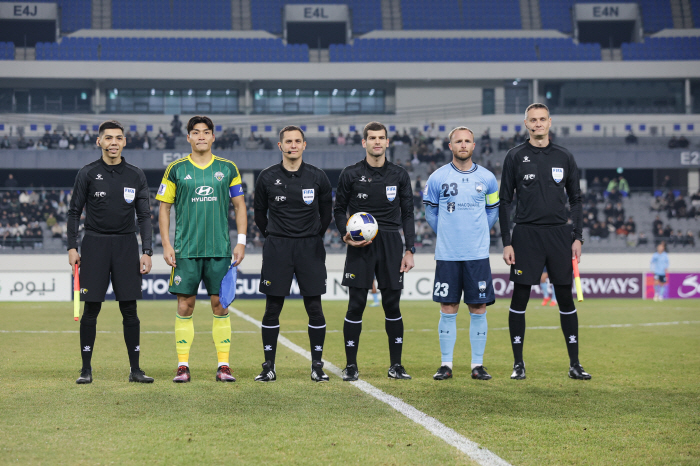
x,y
362,226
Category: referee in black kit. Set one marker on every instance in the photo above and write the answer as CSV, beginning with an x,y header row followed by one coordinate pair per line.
x,y
542,174
382,189
293,208
111,190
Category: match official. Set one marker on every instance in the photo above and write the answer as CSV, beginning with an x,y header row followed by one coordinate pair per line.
x,y
111,190
382,189
461,206
542,174
293,208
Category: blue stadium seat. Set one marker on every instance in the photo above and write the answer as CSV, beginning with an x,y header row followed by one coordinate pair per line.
x,y
464,14
501,49
663,48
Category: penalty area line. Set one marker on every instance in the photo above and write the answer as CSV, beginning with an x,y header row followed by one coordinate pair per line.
x,y
472,449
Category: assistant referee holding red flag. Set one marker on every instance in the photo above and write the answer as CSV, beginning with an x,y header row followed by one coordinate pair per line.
x,y
111,190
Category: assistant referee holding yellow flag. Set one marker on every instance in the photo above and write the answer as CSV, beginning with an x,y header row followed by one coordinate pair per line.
x,y
111,190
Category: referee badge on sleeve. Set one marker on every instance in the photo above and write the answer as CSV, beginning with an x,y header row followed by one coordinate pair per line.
x,y
557,174
308,195
391,193
129,195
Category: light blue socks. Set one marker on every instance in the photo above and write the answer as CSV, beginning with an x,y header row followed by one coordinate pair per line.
x,y
447,328
478,329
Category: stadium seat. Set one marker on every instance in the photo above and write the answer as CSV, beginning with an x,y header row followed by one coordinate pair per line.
x,y
464,50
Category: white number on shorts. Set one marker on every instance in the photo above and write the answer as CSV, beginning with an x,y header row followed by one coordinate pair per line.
x,y
445,288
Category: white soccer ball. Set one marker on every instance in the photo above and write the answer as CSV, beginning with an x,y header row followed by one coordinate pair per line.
x,y
362,226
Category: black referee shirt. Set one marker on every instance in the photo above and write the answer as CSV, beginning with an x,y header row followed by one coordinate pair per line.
x,y
293,204
384,192
542,179
111,194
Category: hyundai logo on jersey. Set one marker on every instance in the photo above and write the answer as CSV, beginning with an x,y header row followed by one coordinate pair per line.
x,y
204,190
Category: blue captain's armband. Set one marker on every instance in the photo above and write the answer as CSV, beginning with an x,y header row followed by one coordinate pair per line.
x,y
236,190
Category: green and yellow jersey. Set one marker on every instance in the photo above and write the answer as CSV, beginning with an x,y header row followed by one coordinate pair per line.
x,y
201,196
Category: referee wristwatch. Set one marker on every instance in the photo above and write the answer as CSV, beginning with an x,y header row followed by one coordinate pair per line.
x,y
148,252
412,250
579,239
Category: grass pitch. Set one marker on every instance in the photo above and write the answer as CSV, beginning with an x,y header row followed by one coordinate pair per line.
x,y
642,406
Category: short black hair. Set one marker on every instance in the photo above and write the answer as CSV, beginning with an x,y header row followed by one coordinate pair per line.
x,y
200,119
292,128
110,124
374,126
536,105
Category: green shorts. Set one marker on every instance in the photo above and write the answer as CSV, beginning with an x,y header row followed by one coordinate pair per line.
x,y
188,273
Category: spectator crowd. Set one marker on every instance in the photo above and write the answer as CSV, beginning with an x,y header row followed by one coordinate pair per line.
x,y
25,215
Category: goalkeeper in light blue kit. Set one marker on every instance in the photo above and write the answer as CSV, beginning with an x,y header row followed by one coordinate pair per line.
x,y
461,205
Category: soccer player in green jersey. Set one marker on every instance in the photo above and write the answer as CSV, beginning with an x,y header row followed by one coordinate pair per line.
x,y
200,186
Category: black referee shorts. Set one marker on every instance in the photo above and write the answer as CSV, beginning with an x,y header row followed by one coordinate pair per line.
x,y
382,259
102,256
283,258
538,246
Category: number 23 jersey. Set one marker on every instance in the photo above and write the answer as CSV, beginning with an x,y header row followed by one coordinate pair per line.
x,y
462,198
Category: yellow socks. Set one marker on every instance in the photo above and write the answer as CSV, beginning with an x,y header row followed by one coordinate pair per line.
x,y
184,334
221,332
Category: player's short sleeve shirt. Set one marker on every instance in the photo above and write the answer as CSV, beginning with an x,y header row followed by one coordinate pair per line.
x,y
201,196
659,263
462,198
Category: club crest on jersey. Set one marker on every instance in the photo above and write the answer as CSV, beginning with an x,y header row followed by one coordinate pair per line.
x,y
308,195
479,187
391,193
482,286
557,174
177,280
450,207
219,176
129,195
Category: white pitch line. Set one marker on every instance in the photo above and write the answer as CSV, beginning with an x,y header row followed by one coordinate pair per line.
x,y
157,332
479,454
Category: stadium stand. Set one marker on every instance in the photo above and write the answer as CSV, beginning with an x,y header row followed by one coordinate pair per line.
x,y
366,14
443,50
460,14
75,14
695,10
556,14
172,14
663,48
171,49
7,51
